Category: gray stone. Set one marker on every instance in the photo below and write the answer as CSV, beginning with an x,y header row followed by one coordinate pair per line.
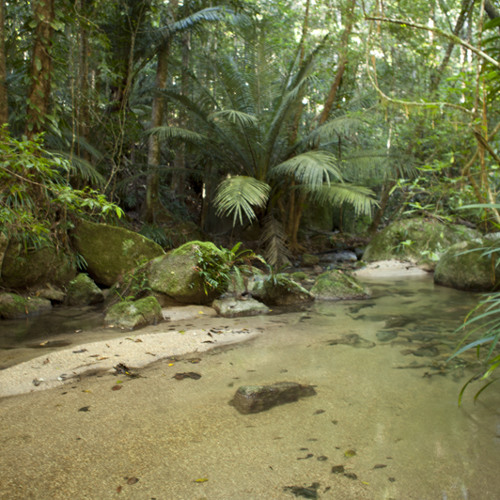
x,y
232,307
257,398
280,290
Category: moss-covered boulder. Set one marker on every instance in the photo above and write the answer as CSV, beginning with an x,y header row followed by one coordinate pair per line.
x,y
465,266
22,270
231,307
422,241
134,314
13,306
111,251
189,274
337,285
280,290
83,291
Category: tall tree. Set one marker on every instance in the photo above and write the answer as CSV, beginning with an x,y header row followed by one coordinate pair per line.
x,y
41,67
4,108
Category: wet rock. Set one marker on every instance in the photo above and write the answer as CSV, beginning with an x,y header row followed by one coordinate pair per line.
x,y
354,340
257,398
304,492
231,307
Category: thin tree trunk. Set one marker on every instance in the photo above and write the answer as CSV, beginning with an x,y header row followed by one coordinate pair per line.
x,y
342,65
41,67
153,203
4,108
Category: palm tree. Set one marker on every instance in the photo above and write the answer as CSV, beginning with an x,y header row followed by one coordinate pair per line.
x,y
245,130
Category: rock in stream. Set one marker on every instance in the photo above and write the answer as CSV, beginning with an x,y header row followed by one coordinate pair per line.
x,y
257,398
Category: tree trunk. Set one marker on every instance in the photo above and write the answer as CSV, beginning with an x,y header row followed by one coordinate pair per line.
x,y
41,67
4,108
153,203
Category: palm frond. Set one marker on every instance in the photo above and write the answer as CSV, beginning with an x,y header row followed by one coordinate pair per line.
x,y
84,170
210,14
340,126
244,120
360,197
273,239
185,135
312,168
239,196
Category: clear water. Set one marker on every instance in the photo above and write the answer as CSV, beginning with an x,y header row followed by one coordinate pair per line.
x,y
385,410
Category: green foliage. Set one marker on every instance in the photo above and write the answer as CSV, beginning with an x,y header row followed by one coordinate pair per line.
x,y
36,199
217,269
157,234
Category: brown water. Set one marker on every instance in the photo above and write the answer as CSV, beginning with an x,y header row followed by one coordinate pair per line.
x,y
386,412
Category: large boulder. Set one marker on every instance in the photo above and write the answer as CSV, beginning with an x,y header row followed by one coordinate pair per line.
x,y
337,285
280,290
83,291
111,251
469,266
23,269
13,306
194,273
422,241
134,314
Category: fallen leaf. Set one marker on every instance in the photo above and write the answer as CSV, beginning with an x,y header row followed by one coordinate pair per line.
x,y
132,480
86,390
46,361
84,408
201,480
119,489
182,376
116,387
138,340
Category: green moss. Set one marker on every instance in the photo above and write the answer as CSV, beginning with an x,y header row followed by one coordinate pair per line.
x,y
465,267
83,291
336,285
128,314
419,240
13,306
112,251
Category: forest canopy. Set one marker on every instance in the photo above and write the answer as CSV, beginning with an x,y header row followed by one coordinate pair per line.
x,y
251,112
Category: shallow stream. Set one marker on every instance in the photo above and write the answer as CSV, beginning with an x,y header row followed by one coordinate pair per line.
x,y
384,424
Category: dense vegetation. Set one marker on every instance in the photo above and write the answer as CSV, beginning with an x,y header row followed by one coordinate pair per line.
x,y
254,110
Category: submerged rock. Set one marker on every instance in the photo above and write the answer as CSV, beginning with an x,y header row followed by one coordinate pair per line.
x,y
353,340
257,398
231,307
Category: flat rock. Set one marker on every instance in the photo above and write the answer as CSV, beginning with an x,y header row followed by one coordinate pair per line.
x,y
257,398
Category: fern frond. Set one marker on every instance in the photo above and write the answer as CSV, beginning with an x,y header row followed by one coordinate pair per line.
x,y
360,197
312,168
274,241
239,195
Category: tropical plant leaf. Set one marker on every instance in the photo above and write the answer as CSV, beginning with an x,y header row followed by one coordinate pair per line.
x,y
183,134
240,118
239,196
360,197
273,239
312,168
